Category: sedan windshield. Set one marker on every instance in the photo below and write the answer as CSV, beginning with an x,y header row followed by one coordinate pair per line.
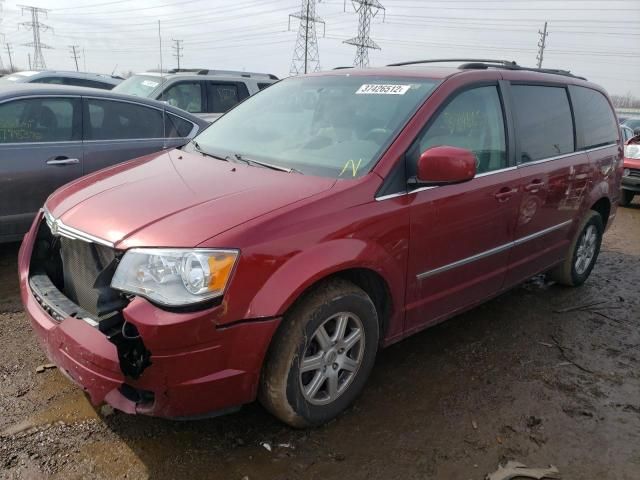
x,y
333,126
139,85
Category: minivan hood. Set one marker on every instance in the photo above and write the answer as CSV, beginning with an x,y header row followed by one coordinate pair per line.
x,y
175,199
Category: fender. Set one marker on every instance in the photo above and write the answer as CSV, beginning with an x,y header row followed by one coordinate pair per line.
x,y
311,265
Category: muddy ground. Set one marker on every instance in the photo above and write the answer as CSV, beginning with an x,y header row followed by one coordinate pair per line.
x,y
519,378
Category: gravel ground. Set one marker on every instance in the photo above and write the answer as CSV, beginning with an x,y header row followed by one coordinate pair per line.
x,y
526,377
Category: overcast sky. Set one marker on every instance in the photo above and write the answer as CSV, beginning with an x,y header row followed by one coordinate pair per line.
x,y
596,39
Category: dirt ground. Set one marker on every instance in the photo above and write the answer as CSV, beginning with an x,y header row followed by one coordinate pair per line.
x,y
525,377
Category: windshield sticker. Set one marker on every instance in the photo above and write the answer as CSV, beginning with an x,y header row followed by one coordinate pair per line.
x,y
150,83
354,167
373,89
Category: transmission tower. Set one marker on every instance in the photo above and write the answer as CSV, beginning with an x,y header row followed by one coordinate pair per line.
x,y
178,48
9,51
305,55
1,35
366,10
542,43
36,26
75,53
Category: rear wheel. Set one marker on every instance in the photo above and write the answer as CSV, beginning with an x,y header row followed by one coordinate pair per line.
x,y
321,356
626,197
582,254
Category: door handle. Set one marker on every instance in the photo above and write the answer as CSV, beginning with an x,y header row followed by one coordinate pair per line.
x,y
534,186
505,194
62,160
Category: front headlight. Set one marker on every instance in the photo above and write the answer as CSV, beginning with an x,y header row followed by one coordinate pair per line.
x,y
632,151
175,277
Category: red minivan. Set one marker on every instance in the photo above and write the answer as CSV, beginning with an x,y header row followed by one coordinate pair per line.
x,y
323,218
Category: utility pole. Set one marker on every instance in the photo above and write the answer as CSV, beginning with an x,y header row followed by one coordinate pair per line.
x,y
29,59
542,43
84,59
178,47
36,26
1,35
8,45
75,53
306,57
366,10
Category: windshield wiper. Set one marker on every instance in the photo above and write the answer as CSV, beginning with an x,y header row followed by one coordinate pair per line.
x,y
250,161
206,154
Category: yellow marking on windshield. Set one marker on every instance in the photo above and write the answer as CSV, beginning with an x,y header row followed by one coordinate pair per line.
x,y
354,167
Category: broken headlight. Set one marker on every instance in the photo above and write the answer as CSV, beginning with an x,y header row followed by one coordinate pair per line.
x,y
175,277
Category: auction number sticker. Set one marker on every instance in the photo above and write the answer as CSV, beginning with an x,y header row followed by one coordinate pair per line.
x,y
377,89
150,83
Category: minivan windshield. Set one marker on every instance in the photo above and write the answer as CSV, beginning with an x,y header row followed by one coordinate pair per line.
x,y
138,85
333,126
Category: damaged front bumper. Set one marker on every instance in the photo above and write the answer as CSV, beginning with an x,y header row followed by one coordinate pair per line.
x,y
176,364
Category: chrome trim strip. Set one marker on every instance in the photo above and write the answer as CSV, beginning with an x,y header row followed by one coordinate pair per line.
x,y
493,172
391,195
550,159
464,261
58,228
609,145
493,251
520,241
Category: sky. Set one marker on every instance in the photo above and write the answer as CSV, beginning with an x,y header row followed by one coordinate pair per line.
x,y
596,39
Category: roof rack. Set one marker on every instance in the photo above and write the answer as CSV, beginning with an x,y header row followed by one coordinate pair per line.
x,y
479,64
206,71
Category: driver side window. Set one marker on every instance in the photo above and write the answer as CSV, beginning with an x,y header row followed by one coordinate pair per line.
x,y
472,120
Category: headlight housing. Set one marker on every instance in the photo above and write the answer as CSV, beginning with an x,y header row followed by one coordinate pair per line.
x,y
632,151
175,277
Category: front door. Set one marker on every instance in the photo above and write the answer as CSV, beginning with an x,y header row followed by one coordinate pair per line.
x,y
461,234
40,150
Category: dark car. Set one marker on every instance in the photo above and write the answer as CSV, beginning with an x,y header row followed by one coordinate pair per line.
x,y
326,217
50,135
57,77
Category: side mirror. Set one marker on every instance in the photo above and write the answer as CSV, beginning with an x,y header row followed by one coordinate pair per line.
x,y
445,165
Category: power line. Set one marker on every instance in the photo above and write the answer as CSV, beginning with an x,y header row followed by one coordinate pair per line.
x,y
36,27
366,10
542,43
305,54
75,53
178,47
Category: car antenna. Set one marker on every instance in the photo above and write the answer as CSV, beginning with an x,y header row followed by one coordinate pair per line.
x,y
164,121
113,72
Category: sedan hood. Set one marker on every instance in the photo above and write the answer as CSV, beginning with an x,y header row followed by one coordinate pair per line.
x,y
175,199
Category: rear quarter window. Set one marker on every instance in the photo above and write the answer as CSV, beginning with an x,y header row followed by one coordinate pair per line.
x,y
595,121
543,121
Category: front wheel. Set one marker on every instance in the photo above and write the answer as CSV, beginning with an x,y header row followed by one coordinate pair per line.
x,y
583,252
626,197
321,355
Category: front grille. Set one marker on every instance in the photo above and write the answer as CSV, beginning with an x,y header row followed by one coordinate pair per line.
x,y
634,172
87,269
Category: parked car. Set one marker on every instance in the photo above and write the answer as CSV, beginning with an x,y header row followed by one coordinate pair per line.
x,y
627,133
328,216
206,93
633,123
55,77
50,135
631,173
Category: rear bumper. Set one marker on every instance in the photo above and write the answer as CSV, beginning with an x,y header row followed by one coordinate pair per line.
x,y
186,377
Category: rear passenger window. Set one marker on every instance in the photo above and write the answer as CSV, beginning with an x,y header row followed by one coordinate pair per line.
x,y
472,120
38,120
112,120
595,121
224,96
185,95
543,121
177,127
262,86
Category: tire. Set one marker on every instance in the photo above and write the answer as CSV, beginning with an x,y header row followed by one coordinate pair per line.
x,y
626,197
338,369
582,254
